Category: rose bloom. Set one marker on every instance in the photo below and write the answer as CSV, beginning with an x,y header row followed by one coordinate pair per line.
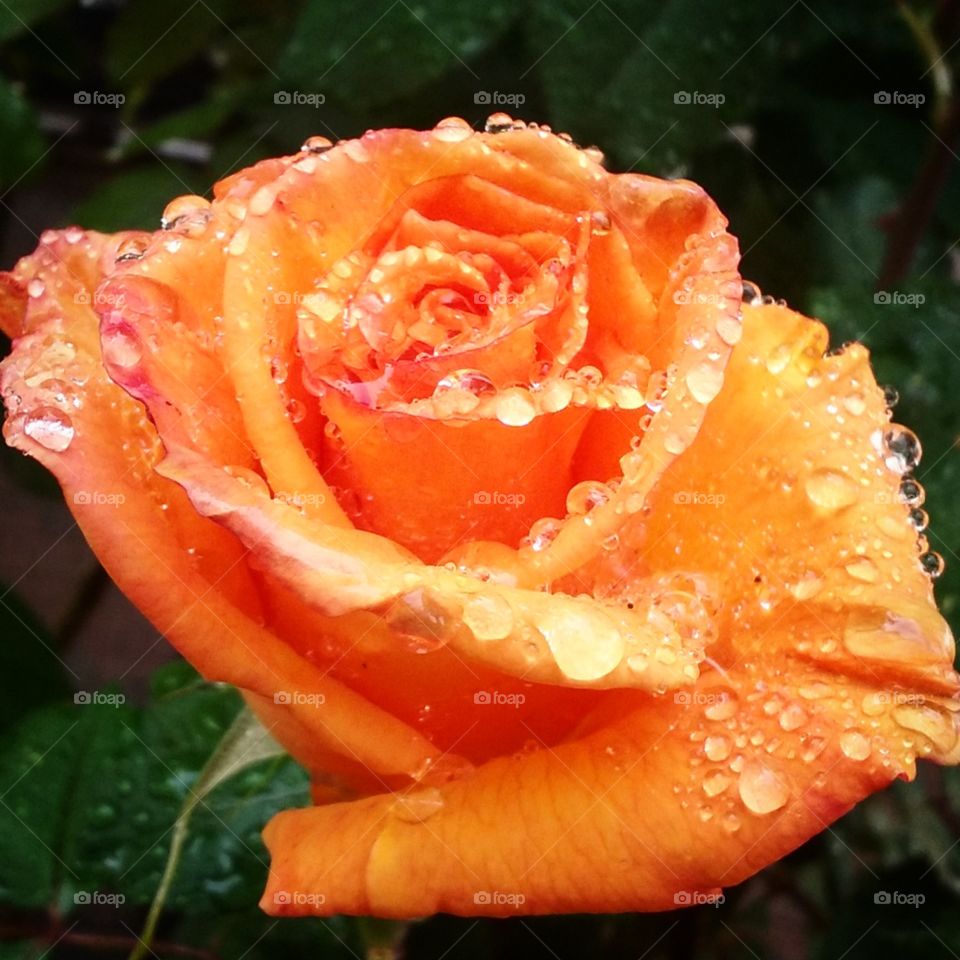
x,y
579,576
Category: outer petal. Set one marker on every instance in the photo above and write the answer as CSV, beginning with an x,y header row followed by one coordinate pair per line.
x,y
815,701
186,575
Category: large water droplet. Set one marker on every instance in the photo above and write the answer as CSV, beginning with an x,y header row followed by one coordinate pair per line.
x,y
583,497
489,617
854,745
716,748
932,564
584,641
704,382
316,145
498,123
418,806
452,130
902,450
472,381
761,790
49,427
831,490
420,621
515,408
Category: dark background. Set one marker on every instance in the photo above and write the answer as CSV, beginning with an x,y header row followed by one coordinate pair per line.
x,y
833,153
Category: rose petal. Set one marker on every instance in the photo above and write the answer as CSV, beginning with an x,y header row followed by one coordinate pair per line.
x,y
662,799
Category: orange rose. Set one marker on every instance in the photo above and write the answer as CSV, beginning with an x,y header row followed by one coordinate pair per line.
x,y
449,449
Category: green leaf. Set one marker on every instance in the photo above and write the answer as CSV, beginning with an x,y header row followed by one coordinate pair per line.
x,y
135,200
244,743
92,792
23,147
632,78
18,16
392,49
31,671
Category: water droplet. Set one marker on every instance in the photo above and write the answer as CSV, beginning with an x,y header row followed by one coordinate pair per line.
x,y
928,722
704,382
912,492
296,410
489,617
807,587
583,497
131,249
751,293
420,621
498,123
418,806
890,397
121,349
452,130
515,408
863,569
555,395
854,745
316,145
49,427
584,641
723,708
36,288
831,490
792,717
716,748
761,790
932,564
902,449
599,223
472,381
730,330
715,783
544,532
189,213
